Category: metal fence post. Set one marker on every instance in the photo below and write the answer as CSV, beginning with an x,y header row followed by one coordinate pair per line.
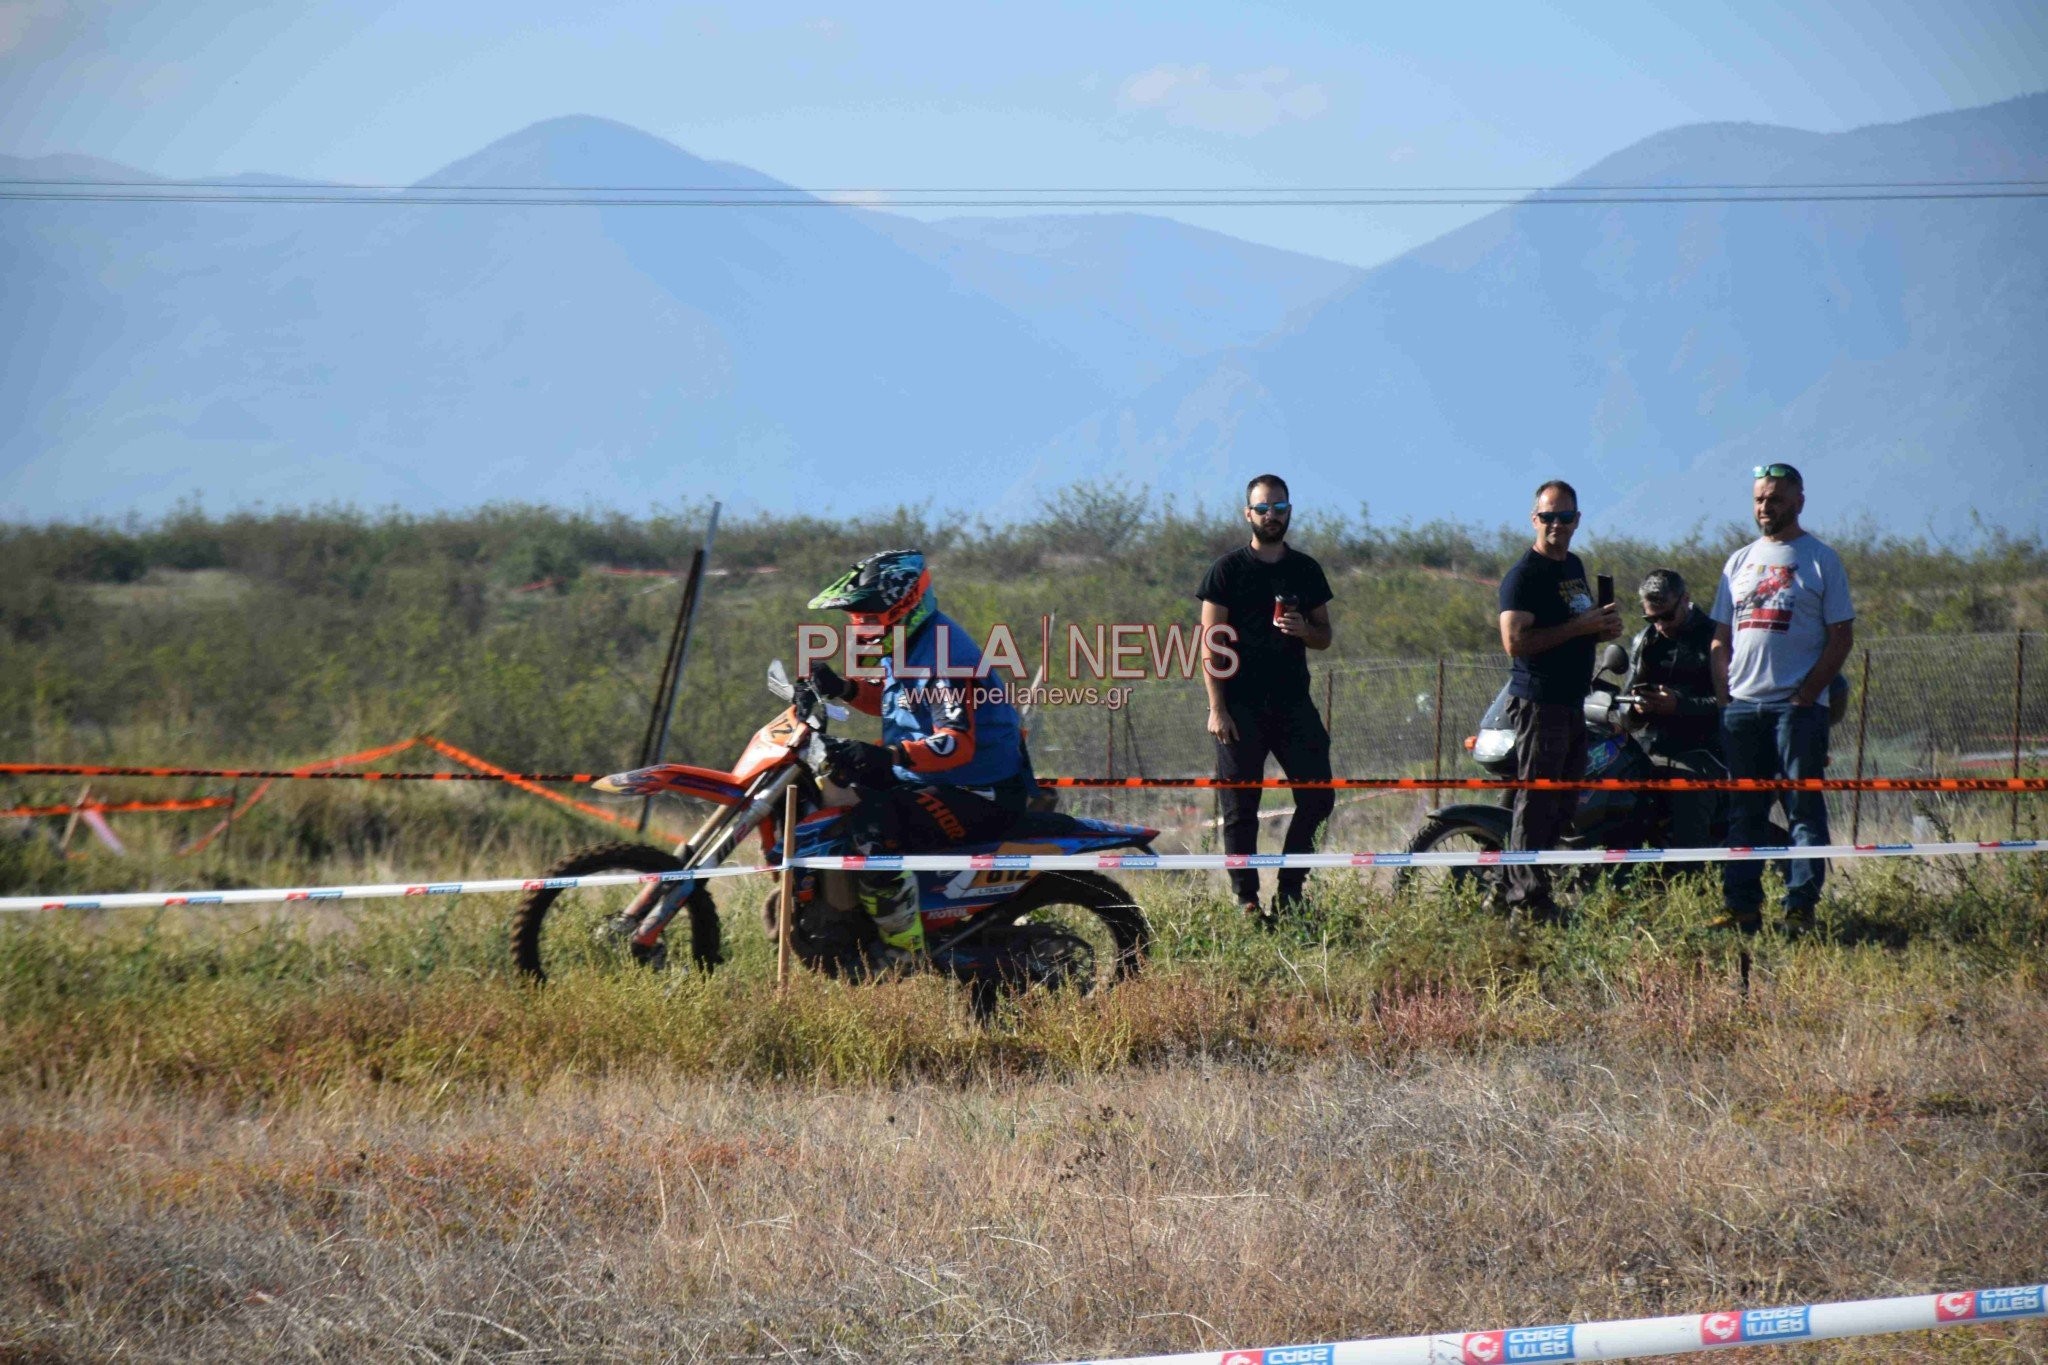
x,y
1862,730
1437,764
2019,682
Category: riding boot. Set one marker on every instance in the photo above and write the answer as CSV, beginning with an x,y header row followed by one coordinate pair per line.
x,y
891,899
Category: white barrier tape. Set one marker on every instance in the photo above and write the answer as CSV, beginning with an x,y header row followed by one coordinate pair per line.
x,y
1036,862
278,894
1628,1338
1570,857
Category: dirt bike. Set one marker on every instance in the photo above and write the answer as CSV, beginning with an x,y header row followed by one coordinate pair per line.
x,y
1603,819
997,929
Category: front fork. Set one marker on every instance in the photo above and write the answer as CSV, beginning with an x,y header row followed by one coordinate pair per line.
x,y
668,898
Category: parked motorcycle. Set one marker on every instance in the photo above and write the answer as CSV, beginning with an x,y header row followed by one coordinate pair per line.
x,y
996,929
1604,819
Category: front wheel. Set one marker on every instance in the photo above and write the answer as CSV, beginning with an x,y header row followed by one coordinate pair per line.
x,y
1452,834
558,930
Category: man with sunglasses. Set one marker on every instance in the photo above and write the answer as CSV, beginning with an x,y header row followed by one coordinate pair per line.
x,y
1671,676
1549,625
1276,600
1783,627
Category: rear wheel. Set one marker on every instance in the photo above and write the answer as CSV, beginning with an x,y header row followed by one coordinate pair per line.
x,y
1091,911
561,930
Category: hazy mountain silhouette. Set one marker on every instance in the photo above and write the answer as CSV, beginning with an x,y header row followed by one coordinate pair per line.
x,y
445,355
830,358
1653,353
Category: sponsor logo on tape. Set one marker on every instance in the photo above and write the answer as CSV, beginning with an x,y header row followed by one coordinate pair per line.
x,y
1236,860
1955,1307
445,889
1756,1324
2023,1301
1518,1343
980,860
1268,860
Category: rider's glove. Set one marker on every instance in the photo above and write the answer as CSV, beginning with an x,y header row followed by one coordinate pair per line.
x,y
853,763
828,684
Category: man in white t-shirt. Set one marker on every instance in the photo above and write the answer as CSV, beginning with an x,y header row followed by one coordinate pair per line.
x,y
1783,626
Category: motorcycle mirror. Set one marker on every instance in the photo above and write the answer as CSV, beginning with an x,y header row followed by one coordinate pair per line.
x,y
1612,660
778,681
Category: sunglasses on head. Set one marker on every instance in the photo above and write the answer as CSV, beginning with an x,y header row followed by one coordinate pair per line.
x,y
1557,518
1776,471
1262,508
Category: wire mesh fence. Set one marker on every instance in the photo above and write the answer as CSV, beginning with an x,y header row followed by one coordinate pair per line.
x,y
1919,706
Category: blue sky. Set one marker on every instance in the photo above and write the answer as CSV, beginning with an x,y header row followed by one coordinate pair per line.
x,y
1197,92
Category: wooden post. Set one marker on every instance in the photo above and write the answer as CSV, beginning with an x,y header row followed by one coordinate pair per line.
x,y
785,907
1437,766
71,824
2019,683
1862,731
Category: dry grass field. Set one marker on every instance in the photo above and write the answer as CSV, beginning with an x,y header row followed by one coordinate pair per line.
x,y
252,1137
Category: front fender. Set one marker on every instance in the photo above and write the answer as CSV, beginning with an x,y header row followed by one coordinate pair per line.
x,y
1494,819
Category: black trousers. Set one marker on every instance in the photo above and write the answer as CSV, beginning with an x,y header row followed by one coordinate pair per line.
x,y
924,819
1550,741
1292,733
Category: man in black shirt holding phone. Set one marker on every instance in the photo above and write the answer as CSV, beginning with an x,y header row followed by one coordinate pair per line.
x,y
1549,625
1276,600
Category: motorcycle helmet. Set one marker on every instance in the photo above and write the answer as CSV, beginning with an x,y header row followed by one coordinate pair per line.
x,y
886,589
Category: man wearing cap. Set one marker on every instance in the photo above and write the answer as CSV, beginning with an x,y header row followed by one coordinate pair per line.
x,y
1671,678
1783,627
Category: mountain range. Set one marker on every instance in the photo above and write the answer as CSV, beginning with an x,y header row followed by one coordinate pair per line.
x,y
832,358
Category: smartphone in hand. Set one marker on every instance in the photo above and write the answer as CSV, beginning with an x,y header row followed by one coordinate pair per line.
x,y
1604,589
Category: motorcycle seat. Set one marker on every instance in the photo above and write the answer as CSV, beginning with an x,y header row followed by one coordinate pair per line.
x,y
1046,824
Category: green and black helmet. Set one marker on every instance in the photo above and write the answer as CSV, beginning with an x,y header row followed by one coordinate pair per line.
x,y
887,589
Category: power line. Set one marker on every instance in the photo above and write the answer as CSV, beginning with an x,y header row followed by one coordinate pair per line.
x,y
552,200
258,189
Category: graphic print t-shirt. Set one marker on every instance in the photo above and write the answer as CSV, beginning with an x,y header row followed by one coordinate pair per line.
x,y
1778,601
1272,668
1553,591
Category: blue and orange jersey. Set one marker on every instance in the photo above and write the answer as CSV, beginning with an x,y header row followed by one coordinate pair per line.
x,y
942,733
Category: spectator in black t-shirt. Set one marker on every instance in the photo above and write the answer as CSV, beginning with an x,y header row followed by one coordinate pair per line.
x,y
1276,600
1548,626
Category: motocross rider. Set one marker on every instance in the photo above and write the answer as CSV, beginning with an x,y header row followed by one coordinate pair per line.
x,y
950,768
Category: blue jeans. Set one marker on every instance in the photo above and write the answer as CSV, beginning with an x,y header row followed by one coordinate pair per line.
x,y
1774,739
